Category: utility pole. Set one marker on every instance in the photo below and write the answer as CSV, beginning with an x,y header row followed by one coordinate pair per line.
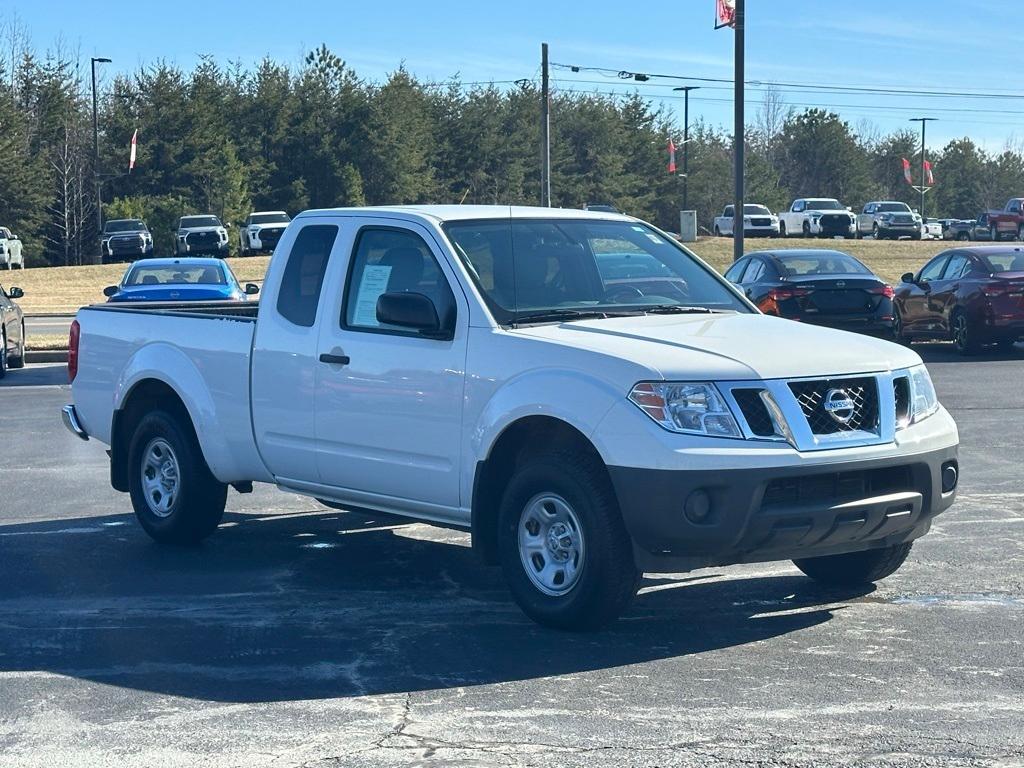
x,y
686,138
545,129
96,157
738,132
923,188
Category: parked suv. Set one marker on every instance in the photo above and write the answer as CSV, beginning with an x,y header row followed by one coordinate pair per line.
x,y
126,240
201,235
261,231
888,219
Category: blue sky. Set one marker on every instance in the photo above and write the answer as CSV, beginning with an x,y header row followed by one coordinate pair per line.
x,y
910,44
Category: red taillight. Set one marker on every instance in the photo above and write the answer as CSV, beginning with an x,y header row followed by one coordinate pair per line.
x,y
782,294
883,290
73,338
1002,288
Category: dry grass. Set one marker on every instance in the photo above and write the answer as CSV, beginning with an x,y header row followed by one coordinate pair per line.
x,y
65,289
55,290
45,342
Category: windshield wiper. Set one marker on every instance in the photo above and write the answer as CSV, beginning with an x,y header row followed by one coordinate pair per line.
x,y
677,309
554,315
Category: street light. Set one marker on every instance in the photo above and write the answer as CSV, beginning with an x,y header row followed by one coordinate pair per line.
x,y
923,188
686,136
96,154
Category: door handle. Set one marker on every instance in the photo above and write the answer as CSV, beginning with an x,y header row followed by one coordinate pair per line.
x,y
334,359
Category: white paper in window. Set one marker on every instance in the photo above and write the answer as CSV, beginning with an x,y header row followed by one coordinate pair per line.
x,y
373,283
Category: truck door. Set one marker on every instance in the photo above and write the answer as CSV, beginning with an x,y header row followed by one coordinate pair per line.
x,y
389,399
284,356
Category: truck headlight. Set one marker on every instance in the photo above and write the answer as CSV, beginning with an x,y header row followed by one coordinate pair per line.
x,y
923,400
692,408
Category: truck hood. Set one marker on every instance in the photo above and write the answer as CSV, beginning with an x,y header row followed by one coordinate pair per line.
x,y
728,347
202,229
830,210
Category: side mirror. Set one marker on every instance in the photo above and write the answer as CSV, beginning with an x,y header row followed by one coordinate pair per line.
x,y
15,237
908,277
15,293
409,310
228,225
252,289
109,291
849,209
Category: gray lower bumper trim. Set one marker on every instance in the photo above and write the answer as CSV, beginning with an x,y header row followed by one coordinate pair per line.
x,y
70,418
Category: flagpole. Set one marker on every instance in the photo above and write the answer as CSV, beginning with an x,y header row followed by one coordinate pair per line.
x,y
738,132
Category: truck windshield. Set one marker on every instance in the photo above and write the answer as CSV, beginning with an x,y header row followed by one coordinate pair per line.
x,y
824,205
756,210
559,268
886,207
269,218
200,221
166,274
125,225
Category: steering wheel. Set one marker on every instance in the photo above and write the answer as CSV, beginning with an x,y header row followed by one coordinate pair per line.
x,y
624,292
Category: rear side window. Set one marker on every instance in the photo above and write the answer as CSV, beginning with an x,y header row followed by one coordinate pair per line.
x,y
303,278
734,272
393,261
955,266
754,272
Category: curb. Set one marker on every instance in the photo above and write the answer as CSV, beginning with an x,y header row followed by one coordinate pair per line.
x,y
46,356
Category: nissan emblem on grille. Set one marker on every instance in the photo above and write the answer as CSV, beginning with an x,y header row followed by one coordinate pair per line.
x,y
839,405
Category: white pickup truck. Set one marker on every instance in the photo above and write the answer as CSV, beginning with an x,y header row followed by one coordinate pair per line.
x,y
817,217
576,389
757,221
10,250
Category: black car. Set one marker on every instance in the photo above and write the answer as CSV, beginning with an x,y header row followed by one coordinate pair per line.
x,y
823,287
12,331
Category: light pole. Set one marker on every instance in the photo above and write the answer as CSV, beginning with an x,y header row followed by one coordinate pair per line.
x,y
923,188
96,153
686,137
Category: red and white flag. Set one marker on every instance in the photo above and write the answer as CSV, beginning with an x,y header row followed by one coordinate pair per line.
x,y
906,171
671,156
131,157
928,178
725,13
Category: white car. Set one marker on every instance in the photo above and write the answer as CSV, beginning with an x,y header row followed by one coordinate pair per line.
x,y
757,221
577,390
262,231
11,255
817,217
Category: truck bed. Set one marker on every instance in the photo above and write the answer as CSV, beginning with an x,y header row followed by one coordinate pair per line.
x,y
201,350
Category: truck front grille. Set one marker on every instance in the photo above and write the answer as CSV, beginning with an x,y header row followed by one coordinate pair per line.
x,y
833,487
201,238
761,222
862,391
270,237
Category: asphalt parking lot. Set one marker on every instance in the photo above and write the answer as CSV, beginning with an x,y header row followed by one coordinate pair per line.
x,y
299,636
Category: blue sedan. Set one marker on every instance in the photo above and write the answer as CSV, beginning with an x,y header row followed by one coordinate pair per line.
x,y
185,279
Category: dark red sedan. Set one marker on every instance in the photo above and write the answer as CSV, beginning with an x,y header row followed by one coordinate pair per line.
x,y
973,296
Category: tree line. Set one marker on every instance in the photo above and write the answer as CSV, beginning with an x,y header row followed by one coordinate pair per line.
x,y
230,139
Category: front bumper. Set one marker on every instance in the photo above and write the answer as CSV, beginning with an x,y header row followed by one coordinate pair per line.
x,y
220,247
780,513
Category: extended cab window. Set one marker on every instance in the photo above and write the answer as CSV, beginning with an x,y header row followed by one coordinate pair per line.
x,y
304,274
393,261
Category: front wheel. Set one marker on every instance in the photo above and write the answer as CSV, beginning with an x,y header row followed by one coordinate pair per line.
x,y
19,361
807,229
564,549
782,229
856,568
176,498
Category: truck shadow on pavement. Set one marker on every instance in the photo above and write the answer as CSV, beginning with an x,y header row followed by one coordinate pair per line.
x,y
331,604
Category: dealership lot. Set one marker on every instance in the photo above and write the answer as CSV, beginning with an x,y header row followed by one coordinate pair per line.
x,y
303,636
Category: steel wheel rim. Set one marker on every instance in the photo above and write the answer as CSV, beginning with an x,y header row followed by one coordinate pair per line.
x,y
551,544
160,477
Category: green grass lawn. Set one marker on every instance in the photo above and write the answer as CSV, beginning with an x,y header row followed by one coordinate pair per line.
x,y
65,289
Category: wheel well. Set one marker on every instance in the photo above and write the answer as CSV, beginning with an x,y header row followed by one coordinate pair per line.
x,y
144,397
514,444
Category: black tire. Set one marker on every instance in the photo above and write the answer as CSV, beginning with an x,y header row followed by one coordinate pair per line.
x,y
855,568
899,335
3,354
962,236
915,236
782,229
197,505
19,361
806,229
718,232
993,235
964,336
607,577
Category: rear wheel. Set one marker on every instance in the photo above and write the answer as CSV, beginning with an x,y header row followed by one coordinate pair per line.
x,y
176,498
964,337
962,236
993,235
855,568
564,549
